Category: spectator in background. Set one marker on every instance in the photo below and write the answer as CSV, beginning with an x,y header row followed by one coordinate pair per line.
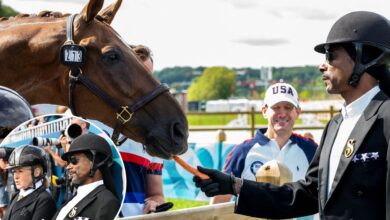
x,y
82,123
64,144
277,142
65,141
60,109
144,183
4,198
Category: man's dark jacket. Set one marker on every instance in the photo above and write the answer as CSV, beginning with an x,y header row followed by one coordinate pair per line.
x,y
99,204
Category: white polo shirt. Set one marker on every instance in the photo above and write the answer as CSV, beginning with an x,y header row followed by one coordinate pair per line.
x,y
246,158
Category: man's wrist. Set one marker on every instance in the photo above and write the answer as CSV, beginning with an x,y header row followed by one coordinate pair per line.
x,y
237,185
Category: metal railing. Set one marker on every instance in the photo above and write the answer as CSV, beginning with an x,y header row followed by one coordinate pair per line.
x,y
37,131
252,126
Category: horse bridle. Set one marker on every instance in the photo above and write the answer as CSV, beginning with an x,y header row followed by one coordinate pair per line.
x,y
74,56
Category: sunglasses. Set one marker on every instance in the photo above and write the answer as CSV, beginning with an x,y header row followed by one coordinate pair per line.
x,y
72,160
329,56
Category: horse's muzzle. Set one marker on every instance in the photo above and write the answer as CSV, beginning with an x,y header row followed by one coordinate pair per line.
x,y
159,144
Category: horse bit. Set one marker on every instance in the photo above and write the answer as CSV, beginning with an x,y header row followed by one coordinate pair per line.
x,y
74,56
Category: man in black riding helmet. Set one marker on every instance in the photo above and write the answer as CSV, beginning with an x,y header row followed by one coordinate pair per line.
x,y
14,110
29,166
88,162
349,176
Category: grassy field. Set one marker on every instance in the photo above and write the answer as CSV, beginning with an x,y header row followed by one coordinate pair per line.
x,y
199,120
183,203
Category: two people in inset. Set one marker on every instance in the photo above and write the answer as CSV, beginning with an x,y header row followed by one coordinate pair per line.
x,y
88,161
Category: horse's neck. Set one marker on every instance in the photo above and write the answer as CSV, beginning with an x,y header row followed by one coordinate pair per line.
x,y
29,60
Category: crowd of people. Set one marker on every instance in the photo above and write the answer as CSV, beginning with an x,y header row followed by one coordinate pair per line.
x,y
345,176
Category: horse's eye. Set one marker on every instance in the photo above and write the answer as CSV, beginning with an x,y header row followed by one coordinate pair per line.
x,y
111,57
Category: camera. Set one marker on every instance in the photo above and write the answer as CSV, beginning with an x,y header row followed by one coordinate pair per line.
x,y
73,131
61,181
5,152
42,141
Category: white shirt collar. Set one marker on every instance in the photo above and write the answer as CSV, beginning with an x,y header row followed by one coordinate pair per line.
x,y
359,105
25,193
85,189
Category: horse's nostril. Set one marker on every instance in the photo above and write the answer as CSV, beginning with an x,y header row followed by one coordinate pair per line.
x,y
179,137
178,133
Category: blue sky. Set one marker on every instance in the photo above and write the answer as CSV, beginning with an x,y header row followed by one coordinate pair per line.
x,y
232,33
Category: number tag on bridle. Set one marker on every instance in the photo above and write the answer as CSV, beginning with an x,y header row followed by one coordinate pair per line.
x,y
73,55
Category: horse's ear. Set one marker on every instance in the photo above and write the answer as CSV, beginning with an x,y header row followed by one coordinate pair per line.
x,y
108,14
91,10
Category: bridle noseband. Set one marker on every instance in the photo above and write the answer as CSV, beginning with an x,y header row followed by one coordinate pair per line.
x,y
74,56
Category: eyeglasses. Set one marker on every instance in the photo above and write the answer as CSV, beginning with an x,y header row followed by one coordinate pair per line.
x,y
72,160
329,56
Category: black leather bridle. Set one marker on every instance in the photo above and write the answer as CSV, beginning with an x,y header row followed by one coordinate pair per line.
x,y
74,56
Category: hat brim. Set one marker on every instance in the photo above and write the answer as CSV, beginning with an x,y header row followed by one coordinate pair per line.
x,y
320,48
272,103
66,155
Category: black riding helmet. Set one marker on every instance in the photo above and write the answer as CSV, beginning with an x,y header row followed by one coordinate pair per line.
x,y
95,146
362,29
28,156
14,110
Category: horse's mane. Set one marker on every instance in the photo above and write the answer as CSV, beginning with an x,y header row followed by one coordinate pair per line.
x,y
53,14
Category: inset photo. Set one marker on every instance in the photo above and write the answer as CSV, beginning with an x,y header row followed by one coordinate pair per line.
x,y
60,167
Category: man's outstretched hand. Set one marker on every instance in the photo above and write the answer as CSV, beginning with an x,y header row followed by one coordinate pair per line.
x,y
219,183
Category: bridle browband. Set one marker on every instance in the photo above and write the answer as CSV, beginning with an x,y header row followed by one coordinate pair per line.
x,y
74,56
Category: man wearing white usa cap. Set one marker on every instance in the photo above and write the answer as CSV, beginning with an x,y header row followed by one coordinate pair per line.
x,y
280,92
277,142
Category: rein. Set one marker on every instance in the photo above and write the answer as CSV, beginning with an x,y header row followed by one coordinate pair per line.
x,y
74,56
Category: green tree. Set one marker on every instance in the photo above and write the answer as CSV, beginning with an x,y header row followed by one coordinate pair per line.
x,y
214,83
6,11
304,95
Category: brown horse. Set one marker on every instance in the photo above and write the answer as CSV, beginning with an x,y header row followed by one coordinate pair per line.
x,y
30,63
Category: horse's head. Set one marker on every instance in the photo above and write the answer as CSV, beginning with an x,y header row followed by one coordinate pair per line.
x,y
111,65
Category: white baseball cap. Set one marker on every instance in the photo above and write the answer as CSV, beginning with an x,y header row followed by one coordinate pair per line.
x,y
280,92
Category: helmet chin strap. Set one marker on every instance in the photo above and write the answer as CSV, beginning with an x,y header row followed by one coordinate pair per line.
x,y
359,67
95,165
35,179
